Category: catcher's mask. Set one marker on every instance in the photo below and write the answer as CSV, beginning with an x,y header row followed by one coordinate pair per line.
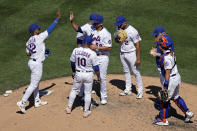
x,y
164,44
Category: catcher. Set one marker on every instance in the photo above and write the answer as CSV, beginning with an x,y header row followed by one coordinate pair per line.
x,y
128,38
160,35
170,89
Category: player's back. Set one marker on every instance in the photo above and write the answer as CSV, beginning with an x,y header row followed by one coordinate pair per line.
x,y
36,46
170,63
84,59
86,31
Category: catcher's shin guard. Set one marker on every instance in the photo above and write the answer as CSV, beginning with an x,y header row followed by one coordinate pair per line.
x,y
164,109
181,104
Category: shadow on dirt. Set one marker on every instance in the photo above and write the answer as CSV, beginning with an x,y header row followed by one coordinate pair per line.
x,y
154,90
120,84
79,100
42,93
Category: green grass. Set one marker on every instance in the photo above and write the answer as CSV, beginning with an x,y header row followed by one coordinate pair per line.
x,y
178,17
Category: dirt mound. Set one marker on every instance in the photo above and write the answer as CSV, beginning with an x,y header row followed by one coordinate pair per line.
x,y
121,113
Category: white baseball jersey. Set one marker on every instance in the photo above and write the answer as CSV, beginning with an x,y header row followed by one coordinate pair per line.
x,y
132,37
169,63
36,46
84,59
128,58
86,31
102,38
175,78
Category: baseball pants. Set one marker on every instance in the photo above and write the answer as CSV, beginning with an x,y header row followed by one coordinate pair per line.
x,y
128,63
85,78
103,65
36,75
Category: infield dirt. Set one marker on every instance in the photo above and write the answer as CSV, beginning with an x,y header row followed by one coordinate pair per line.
x,y
122,113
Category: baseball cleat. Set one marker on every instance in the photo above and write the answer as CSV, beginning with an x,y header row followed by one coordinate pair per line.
x,y
93,92
160,122
189,115
103,102
125,92
39,103
86,113
68,110
21,106
139,96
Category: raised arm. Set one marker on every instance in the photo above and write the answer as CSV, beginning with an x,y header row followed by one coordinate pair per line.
x,y
74,25
53,25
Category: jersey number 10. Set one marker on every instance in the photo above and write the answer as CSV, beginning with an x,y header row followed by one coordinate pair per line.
x,y
81,61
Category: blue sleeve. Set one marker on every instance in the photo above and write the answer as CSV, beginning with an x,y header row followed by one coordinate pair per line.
x,y
79,30
52,26
73,66
79,41
165,85
96,69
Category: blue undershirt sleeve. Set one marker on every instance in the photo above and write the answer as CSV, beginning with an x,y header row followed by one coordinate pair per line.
x,y
52,26
73,66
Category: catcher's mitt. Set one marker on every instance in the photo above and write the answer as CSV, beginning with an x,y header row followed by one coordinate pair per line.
x,y
121,36
163,95
153,52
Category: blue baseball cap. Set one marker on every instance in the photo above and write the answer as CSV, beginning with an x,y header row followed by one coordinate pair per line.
x,y
33,27
98,19
92,16
88,40
120,20
158,29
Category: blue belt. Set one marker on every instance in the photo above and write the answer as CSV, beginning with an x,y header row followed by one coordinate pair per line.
x,y
35,59
99,54
83,71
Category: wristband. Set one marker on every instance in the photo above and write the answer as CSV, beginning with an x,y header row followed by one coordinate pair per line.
x,y
165,85
98,75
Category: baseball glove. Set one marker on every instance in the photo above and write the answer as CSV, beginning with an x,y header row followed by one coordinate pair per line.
x,y
47,53
163,95
153,52
121,36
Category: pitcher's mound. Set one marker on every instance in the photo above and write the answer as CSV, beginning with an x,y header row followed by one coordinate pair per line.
x,y
122,113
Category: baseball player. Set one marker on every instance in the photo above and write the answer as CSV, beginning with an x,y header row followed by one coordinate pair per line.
x,y
87,29
160,34
102,45
172,81
130,56
83,62
35,48
80,38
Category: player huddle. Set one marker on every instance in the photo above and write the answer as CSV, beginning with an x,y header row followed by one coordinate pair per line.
x,y
92,55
